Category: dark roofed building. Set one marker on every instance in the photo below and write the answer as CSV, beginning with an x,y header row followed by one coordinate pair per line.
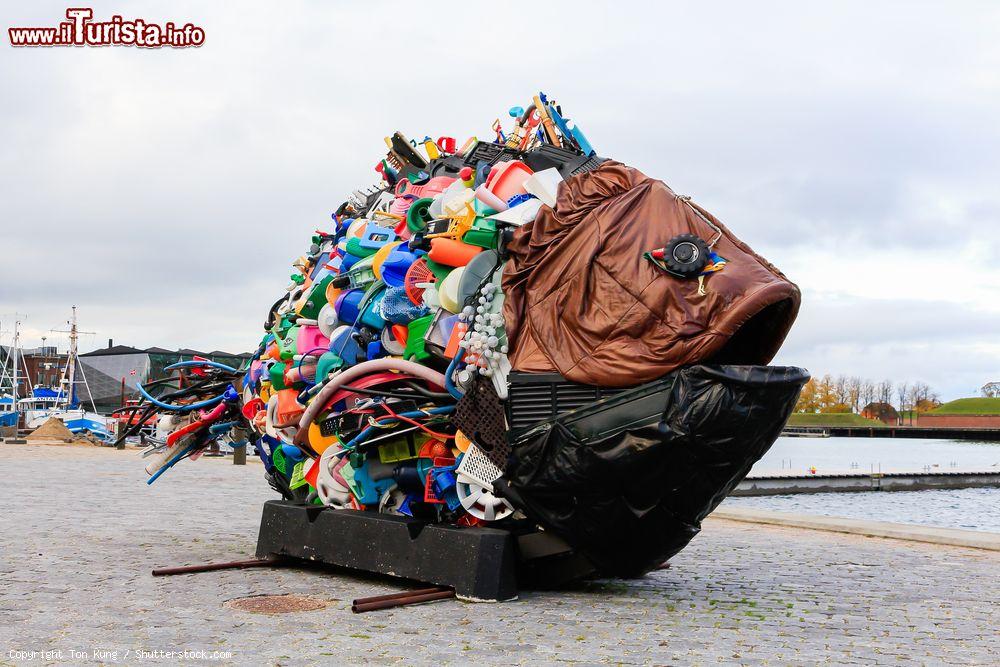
x,y
883,412
114,371
113,350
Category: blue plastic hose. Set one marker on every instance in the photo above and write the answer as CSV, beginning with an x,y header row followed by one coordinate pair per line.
x,y
298,365
372,430
179,408
200,362
170,464
448,384
221,428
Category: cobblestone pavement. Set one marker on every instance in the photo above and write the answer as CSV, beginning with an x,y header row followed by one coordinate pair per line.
x,y
80,532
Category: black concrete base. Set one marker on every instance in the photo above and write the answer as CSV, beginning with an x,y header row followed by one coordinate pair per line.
x,y
479,563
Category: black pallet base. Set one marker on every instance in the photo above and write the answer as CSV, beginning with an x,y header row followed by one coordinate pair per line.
x,y
479,563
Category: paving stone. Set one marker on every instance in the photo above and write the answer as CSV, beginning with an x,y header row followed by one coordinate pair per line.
x,y
80,532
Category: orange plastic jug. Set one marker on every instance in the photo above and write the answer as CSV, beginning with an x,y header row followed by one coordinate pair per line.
x,y
451,252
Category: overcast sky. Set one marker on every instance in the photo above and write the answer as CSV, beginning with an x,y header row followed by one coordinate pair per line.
x,y
855,145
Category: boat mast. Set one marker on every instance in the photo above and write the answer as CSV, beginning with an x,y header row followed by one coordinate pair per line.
x,y
74,336
15,351
71,370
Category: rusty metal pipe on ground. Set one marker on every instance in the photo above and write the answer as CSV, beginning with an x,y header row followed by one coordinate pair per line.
x,y
401,599
270,561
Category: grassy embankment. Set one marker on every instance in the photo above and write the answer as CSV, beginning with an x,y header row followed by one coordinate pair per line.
x,y
831,419
969,406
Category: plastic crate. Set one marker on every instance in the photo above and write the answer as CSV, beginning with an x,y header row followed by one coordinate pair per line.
x,y
569,162
491,153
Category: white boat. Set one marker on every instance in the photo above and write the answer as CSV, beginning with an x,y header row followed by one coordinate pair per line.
x,y
40,407
60,402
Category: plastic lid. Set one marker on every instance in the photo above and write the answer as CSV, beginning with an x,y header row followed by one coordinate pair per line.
x,y
449,292
327,320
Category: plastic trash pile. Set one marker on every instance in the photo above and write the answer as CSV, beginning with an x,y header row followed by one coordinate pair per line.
x,y
384,380
389,313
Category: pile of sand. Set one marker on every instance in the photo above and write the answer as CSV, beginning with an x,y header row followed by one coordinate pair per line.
x,y
52,430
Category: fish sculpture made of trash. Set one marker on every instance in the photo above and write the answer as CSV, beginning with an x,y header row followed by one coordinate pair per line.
x,y
513,332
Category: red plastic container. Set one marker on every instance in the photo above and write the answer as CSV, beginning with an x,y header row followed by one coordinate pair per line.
x,y
507,179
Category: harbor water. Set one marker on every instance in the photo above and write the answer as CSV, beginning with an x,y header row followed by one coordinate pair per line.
x,y
795,456
972,509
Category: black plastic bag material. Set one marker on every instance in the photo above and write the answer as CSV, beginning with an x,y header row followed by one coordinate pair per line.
x,y
627,480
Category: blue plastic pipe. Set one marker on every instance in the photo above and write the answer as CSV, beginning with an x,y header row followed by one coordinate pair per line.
x,y
448,384
221,428
180,408
372,430
170,464
200,362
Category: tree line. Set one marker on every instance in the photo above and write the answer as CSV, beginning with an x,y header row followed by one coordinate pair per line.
x,y
852,394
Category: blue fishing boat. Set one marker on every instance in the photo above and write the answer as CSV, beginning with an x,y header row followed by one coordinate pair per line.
x,y
8,411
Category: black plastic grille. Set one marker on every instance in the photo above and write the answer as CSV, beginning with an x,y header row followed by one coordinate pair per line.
x,y
535,397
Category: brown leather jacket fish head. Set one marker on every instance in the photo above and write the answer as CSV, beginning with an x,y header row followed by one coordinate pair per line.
x,y
581,299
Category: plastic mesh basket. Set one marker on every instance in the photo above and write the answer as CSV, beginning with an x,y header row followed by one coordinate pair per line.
x,y
417,274
398,308
476,466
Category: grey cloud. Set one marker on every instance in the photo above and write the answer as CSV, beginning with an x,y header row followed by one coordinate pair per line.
x,y
908,339
829,319
169,190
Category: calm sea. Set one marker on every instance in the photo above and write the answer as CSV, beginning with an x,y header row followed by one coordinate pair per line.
x,y
794,456
975,509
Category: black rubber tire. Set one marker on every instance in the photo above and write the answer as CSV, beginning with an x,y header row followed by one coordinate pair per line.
x,y
686,255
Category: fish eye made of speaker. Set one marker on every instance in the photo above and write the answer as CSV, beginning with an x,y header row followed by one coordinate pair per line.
x,y
686,255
